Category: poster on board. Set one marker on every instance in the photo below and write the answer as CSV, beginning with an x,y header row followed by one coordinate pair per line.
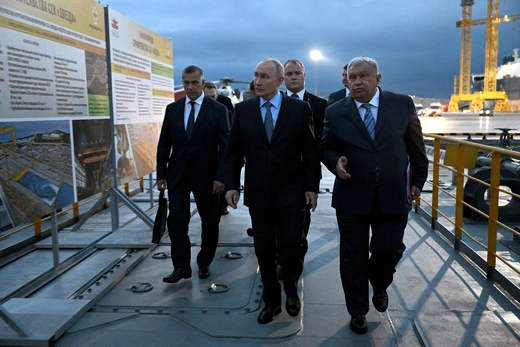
x,y
53,72
141,64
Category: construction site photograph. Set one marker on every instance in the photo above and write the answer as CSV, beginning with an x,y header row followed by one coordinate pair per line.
x,y
36,167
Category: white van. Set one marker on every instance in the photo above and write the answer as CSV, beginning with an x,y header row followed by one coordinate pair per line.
x,y
434,110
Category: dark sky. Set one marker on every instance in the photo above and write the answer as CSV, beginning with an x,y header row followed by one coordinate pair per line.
x,y
415,42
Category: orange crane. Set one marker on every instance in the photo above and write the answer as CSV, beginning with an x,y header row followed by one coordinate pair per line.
x,y
461,90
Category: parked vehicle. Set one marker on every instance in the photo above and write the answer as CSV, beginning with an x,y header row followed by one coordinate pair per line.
x,y
419,108
434,110
486,112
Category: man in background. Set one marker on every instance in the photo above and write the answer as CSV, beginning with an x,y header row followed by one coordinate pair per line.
x,y
343,92
210,90
294,79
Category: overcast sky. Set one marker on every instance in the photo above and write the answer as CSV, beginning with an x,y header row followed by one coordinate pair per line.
x,y
415,42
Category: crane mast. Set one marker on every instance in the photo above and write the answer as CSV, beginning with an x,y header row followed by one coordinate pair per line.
x,y
462,85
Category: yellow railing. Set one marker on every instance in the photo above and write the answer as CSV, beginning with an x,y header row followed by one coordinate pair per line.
x,y
465,150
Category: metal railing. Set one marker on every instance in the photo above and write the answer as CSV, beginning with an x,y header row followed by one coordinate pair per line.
x,y
37,225
449,218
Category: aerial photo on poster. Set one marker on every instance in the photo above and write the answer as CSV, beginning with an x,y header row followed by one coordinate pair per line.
x,y
142,86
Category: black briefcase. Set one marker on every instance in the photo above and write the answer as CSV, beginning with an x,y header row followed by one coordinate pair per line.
x,y
159,225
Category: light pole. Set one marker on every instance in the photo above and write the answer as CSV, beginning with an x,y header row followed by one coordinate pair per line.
x,y
316,56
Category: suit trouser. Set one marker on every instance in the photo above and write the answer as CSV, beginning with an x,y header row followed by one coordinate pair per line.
x,y
285,227
178,220
356,267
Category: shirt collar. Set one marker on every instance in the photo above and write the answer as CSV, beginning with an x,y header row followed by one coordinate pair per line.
x,y
373,102
198,100
301,93
276,101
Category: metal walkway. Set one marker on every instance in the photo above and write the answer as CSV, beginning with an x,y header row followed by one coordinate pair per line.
x,y
109,292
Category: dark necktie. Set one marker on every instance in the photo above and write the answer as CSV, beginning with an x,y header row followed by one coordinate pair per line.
x,y
369,120
294,95
191,120
268,123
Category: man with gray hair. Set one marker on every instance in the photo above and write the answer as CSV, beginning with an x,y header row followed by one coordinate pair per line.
x,y
372,141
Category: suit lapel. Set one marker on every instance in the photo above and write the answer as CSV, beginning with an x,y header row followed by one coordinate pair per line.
x,y
256,118
354,117
283,115
382,116
203,113
178,117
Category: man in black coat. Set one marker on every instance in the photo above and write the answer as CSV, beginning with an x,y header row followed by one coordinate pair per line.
x,y
275,135
211,90
343,92
190,158
294,79
373,143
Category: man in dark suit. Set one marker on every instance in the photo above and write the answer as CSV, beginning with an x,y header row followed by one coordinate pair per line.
x,y
343,92
370,141
190,158
210,90
294,79
275,135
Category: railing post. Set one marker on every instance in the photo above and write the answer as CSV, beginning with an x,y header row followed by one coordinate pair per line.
x,y
493,211
436,177
75,210
37,226
461,150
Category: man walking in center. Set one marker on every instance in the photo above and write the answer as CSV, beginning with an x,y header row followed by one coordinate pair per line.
x,y
275,135
370,141
190,158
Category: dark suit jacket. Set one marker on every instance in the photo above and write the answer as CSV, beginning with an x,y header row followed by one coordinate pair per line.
x,y
340,94
202,158
277,173
398,140
318,106
224,100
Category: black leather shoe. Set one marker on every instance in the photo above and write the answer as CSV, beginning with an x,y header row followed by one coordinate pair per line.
x,y
358,324
177,275
204,272
293,305
380,300
268,313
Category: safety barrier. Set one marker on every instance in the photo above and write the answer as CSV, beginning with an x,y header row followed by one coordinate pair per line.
x,y
41,226
489,194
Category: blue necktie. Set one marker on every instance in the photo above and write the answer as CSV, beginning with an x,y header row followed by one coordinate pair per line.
x,y
268,123
191,120
369,120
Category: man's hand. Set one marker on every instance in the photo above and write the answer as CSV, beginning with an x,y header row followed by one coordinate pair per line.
x,y
161,184
232,198
341,168
414,193
218,187
311,198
